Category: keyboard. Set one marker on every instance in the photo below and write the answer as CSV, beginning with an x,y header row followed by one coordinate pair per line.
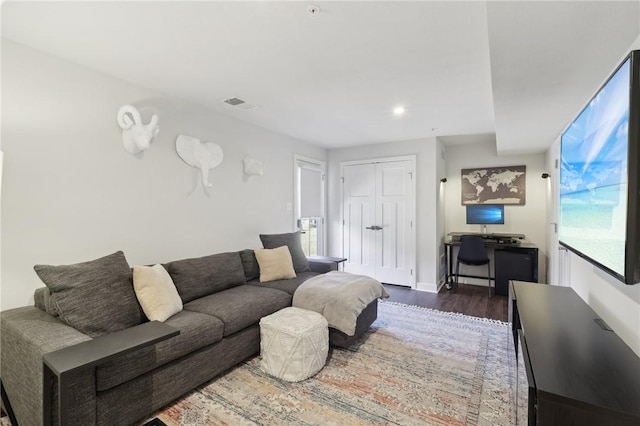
x,y
504,239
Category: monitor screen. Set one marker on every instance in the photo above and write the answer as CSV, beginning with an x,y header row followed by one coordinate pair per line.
x,y
485,214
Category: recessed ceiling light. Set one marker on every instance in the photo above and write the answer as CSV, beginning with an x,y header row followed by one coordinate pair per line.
x,y
399,110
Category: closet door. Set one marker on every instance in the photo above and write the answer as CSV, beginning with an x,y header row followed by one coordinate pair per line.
x,y
359,187
394,216
378,206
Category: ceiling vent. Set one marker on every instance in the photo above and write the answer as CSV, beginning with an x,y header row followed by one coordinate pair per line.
x,y
236,102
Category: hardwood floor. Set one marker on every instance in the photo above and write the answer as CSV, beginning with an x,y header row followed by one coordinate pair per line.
x,y
468,299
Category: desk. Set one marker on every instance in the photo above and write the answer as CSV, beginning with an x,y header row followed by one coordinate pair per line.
x,y
512,261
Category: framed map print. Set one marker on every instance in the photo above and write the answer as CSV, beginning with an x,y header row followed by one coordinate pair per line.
x,y
494,185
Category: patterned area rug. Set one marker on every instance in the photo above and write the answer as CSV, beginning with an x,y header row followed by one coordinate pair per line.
x,y
414,367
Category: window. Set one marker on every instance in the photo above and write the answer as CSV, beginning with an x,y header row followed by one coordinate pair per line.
x,y
310,202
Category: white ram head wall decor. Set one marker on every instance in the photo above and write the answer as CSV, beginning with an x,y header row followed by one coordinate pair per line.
x,y
253,167
136,136
203,155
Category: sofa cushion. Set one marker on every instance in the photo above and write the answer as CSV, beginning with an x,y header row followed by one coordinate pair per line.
x,y
50,303
196,331
275,264
38,298
291,240
94,297
242,306
206,275
289,286
156,292
43,299
250,264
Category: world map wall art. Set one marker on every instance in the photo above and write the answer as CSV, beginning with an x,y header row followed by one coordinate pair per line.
x,y
494,185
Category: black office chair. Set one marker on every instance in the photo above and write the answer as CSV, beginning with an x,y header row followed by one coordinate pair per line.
x,y
473,252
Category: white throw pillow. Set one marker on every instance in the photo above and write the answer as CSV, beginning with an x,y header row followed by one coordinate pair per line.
x,y
156,292
275,264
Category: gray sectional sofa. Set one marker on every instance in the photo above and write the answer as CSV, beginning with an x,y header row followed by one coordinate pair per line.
x,y
223,302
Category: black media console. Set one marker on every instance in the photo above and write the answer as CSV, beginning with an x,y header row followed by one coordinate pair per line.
x,y
573,369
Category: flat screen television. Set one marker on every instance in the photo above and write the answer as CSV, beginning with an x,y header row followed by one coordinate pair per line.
x,y
485,214
599,188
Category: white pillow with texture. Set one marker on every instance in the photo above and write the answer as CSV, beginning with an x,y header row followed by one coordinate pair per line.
x,y
275,264
156,292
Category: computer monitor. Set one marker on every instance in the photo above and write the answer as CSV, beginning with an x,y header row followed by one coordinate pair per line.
x,y
485,214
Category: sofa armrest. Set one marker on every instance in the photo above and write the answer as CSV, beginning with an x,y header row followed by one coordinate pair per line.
x,y
322,266
26,335
65,363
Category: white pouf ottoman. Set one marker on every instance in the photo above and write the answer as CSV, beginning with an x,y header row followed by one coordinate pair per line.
x,y
294,343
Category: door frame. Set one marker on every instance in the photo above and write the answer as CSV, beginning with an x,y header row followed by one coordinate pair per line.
x,y
412,159
322,165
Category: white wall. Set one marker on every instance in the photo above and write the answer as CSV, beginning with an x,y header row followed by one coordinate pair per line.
x,y
618,304
529,219
72,193
426,202
440,232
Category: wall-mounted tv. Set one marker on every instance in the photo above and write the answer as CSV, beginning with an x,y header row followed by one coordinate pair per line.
x,y
485,214
599,188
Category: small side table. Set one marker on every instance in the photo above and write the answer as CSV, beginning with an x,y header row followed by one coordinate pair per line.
x,y
92,353
336,260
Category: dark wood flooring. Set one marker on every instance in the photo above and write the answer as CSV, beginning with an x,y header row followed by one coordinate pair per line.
x,y
468,299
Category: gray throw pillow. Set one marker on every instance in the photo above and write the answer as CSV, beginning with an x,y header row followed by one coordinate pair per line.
x,y
206,275
94,297
291,240
250,265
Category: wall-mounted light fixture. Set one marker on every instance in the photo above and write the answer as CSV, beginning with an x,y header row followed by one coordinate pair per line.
x,y
545,175
443,180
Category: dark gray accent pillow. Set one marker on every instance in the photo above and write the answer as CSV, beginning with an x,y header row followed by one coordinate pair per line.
x,y
250,264
94,297
206,275
291,240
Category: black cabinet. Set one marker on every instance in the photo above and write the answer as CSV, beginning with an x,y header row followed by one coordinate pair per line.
x,y
515,263
572,369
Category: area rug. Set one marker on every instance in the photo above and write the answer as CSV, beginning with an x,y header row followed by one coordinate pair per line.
x,y
414,367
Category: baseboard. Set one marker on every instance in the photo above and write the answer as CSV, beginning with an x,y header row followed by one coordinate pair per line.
x,y
428,287
475,281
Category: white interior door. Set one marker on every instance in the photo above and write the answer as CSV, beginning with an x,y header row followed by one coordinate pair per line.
x,y
378,209
359,214
394,217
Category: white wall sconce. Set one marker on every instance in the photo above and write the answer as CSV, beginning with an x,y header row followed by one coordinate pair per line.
x,y
202,155
253,167
136,136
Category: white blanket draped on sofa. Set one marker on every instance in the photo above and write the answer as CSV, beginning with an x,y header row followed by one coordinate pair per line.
x,y
339,296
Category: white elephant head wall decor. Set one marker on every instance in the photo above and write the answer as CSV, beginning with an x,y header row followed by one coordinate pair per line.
x,y
136,136
203,155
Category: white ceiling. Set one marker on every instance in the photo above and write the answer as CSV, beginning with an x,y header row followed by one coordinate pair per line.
x,y
463,70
